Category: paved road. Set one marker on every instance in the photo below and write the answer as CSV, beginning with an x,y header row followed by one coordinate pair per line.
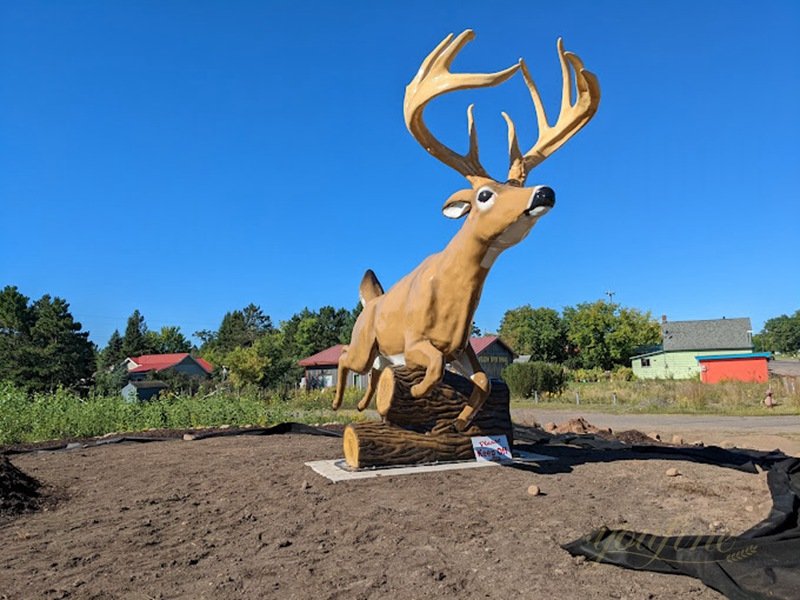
x,y
765,433
768,424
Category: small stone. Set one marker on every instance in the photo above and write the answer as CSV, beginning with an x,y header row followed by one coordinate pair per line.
x,y
533,490
224,427
748,508
654,436
188,437
673,472
677,440
698,443
550,426
716,525
305,485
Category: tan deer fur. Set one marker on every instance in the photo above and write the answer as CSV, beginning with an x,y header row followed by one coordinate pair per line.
x,y
425,319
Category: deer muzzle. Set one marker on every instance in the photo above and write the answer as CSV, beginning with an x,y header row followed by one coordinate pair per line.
x,y
542,199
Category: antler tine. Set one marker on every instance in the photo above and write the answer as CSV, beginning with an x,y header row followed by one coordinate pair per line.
x,y
434,79
571,118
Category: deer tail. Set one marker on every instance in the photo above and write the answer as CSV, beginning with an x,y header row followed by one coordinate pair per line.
x,y
370,287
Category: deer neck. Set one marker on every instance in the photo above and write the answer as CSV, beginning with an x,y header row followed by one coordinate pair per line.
x,y
465,255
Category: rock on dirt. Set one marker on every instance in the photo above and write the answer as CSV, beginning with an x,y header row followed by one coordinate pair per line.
x,y
18,492
673,472
533,490
579,425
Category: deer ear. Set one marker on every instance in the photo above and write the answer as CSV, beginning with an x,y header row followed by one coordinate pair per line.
x,y
458,204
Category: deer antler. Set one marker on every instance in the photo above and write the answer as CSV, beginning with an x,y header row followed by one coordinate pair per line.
x,y
570,120
434,79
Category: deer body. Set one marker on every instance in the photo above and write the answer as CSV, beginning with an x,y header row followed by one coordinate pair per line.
x,y
425,319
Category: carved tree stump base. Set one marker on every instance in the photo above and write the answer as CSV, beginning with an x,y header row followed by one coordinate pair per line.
x,y
416,430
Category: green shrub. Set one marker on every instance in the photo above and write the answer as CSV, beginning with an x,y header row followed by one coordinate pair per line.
x,y
622,374
588,375
524,379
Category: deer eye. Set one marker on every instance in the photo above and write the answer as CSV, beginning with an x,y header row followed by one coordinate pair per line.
x,y
485,195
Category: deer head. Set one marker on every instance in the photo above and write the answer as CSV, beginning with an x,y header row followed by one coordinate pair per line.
x,y
499,212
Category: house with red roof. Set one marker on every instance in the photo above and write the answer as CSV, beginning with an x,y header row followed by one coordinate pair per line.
x,y
181,362
320,369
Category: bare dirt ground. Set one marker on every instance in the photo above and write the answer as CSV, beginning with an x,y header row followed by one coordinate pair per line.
x,y
243,517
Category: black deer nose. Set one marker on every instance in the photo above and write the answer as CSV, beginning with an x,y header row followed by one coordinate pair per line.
x,y
544,196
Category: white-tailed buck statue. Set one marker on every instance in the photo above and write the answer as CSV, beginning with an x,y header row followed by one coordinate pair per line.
x,y
424,321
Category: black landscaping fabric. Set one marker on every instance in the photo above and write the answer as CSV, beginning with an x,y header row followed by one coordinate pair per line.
x,y
763,562
168,435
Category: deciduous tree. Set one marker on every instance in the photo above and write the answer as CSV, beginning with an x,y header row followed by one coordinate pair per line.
x,y
603,334
539,332
167,340
780,334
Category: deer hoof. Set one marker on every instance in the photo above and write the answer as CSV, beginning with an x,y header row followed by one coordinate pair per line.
x,y
418,390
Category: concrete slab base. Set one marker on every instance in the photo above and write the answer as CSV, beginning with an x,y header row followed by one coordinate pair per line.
x,y
337,470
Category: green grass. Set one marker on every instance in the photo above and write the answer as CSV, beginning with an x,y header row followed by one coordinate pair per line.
x,y
64,415
672,397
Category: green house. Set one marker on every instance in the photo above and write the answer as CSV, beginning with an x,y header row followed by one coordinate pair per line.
x,y
684,341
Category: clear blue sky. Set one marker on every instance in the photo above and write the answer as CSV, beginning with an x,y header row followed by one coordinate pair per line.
x,y
188,158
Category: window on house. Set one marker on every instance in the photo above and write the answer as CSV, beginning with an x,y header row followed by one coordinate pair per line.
x,y
645,362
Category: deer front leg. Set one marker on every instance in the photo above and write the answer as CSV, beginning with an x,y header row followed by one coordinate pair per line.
x,y
480,391
424,354
372,382
341,379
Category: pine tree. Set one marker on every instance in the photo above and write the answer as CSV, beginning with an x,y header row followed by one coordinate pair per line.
x,y
16,350
65,354
41,345
134,343
112,354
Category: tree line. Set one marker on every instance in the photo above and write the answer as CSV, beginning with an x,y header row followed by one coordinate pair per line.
x,y
590,335
42,347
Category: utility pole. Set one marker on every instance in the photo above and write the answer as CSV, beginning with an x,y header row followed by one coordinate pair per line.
x,y
610,295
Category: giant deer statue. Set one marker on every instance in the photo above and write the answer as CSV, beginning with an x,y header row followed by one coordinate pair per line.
x,y
425,320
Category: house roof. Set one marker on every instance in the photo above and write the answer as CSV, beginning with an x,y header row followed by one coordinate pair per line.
x,y
479,344
764,355
330,356
710,334
159,362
